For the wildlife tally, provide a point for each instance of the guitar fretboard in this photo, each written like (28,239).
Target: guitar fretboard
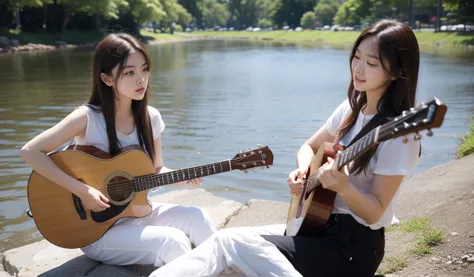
(356,149)
(145,182)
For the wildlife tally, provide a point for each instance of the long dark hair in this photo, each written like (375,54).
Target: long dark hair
(399,56)
(111,51)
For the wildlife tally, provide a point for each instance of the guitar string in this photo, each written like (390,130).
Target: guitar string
(383,128)
(118,185)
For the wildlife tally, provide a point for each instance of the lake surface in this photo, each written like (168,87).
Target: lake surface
(216,98)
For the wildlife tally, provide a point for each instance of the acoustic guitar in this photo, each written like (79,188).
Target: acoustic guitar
(124,178)
(309,212)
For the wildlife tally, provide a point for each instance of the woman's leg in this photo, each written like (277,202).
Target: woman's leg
(240,249)
(133,244)
(165,234)
(195,222)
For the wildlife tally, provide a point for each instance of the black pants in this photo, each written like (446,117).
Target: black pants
(346,248)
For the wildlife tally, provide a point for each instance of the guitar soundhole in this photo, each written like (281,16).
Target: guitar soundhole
(119,189)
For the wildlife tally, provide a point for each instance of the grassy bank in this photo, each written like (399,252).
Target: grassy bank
(346,37)
(467,143)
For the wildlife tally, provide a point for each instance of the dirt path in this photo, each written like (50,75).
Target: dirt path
(444,195)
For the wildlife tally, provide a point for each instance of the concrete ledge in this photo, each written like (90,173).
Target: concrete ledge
(45,259)
(259,213)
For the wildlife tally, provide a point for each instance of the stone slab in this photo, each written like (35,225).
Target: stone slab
(219,208)
(42,256)
(259,213)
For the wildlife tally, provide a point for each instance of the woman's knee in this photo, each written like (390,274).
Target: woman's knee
(175,244)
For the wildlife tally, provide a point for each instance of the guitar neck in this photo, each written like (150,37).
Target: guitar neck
(146,182)
(347,156)
(357,149)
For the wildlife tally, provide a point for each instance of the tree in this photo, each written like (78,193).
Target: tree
(214,14)
(460,11)
(290,11)
(105,8)
(354,12)
(307,20)
(325,11)
(16,5)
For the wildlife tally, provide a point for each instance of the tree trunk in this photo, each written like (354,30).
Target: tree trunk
(67,18)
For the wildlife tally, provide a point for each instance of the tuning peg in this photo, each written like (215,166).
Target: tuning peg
(262,167)
(417,136)
(241,151)
(429,133)
(259,145)
(246,171)
(405,139)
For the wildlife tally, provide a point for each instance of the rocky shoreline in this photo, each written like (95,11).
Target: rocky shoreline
(444,193)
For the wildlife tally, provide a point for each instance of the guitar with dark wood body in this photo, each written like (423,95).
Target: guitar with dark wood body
(309,212)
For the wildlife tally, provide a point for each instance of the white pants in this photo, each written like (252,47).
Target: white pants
(165,234)
(239,249)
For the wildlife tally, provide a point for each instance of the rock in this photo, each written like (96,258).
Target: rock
(435,259)
(39,257)
(454,234)
(4,42)
(449,262)
(259,213)
(4,274)
(465,257)
(14,42)
(470,260)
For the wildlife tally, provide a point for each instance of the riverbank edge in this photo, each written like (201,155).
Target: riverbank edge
(44,258)
(39,47)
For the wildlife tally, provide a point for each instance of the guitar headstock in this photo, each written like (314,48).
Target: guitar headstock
(258,157)
(423,117)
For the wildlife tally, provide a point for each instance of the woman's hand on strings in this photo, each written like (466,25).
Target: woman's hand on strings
(295,180)
(333,179)
(94,200)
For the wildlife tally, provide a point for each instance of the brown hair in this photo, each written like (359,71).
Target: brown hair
(113,51)
(399,56)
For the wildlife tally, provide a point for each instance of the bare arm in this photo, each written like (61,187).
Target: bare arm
(311,146)
(304,157)
(372,205)
(35,154)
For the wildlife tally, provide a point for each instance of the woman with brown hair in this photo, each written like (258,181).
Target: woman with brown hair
(117,115)
(384,64)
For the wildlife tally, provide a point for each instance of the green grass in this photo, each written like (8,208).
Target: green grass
(429,237)
(416,224)
(393,264)
(467,143)
(330,37)
(426,238)
(160,36)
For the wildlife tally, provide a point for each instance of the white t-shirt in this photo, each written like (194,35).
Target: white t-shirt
(96,131)
(392,157)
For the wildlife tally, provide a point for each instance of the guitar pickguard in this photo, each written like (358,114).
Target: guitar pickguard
(109,213)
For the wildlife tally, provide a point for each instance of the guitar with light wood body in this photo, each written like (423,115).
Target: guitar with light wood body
(124,178)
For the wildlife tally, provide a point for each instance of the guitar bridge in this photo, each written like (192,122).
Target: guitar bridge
(79,208)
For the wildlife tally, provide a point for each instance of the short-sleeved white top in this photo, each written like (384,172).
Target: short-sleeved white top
(392,157)
(96,132)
